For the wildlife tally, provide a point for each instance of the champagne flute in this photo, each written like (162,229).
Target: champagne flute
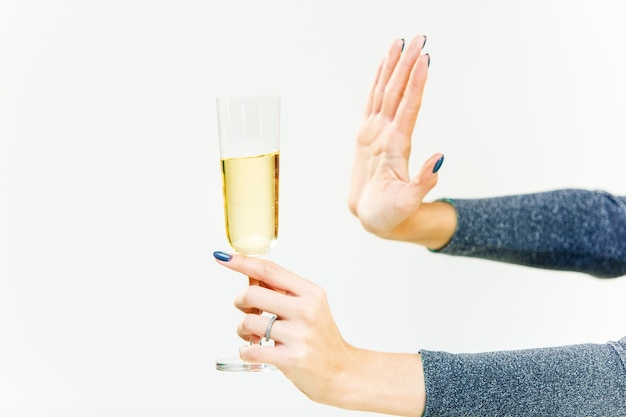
(249,142)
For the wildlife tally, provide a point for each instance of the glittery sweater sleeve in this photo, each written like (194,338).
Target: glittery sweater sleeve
(569,229)
(572,230)
(587,380)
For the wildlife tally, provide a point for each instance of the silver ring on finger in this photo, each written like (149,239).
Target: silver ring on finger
(268,329)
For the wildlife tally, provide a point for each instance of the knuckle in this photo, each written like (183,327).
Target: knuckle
(247,323)
(299,358)
(251,353)
(246,298)
(239,301)
(269,268)
(295,359)
(319,294)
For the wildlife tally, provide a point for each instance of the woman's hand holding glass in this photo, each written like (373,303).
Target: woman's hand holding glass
(309,349)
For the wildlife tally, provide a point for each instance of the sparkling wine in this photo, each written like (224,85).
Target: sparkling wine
(250,188)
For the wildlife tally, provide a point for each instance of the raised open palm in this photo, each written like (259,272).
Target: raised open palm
(382,195)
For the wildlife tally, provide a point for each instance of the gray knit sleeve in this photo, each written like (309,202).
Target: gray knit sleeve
(570,229)
(579,380)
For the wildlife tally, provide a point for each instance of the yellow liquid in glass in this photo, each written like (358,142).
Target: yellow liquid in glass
(250,187)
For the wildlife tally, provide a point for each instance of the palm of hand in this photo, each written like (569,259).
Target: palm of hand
(381,190)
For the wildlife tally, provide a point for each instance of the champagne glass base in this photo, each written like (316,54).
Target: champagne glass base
(235,364)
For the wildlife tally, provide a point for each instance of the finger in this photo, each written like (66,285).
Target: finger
(389,64)
(272,275)
(253,282)
(411,102)
(413,193)
(255,328)
(256,353)
(427,178)
(254,299)
(430,168)
(398,81)
(370,96)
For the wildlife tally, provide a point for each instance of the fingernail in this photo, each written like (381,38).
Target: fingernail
(438,165)
(425,38)
(428,55)
(402,45)
(222,256)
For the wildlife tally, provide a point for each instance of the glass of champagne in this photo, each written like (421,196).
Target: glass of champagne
(249,143)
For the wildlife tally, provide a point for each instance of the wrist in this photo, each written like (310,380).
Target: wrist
(381,382)
(432,225)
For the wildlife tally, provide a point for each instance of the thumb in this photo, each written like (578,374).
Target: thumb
(428,175)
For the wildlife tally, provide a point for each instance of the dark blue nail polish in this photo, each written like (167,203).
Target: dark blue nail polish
(222,256)
(428,55)
(438,165)
(425,38)
(402,45)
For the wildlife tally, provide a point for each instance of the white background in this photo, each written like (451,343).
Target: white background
(110,195)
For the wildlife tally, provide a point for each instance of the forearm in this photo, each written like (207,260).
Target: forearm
(571,229)
(581,380)
(382,382)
